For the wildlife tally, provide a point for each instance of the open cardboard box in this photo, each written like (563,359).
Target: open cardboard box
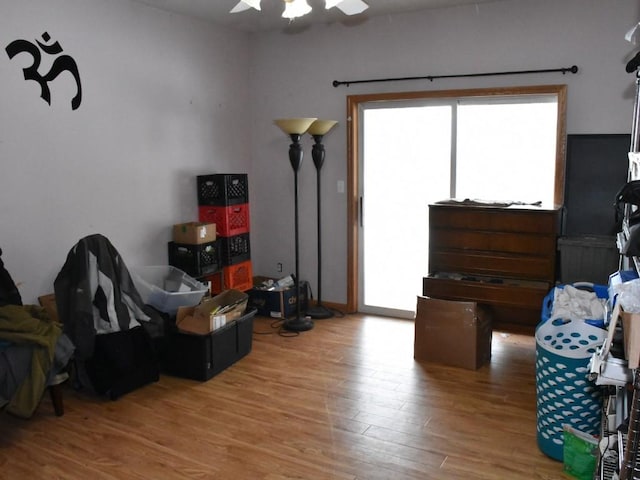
(280,303)
(212,313)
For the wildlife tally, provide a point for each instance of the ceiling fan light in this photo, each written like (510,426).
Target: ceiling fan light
(331,3)
(295,8)
(352,7)
(243,5)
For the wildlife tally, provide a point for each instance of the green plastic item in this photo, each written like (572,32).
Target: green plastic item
(580,453)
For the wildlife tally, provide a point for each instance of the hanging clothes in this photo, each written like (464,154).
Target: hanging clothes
(104,316)
(95,294)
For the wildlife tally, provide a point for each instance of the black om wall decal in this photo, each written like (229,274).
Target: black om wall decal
(60,64)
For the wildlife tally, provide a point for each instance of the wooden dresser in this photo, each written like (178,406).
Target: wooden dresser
(501,257)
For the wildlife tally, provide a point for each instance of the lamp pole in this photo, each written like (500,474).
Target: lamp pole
(295,158)
(318,130)
(295,128)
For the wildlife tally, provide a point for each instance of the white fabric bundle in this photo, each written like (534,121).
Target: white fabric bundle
(572,303)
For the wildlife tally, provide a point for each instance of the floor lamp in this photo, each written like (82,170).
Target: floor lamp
(295,128)
(318,130)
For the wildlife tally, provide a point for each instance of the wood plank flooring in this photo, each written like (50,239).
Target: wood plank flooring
(343,401)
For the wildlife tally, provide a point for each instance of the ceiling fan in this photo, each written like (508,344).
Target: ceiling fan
(298,8)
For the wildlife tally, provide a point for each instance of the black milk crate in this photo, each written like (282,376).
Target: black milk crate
(223,189)
(235,249)
(195,260)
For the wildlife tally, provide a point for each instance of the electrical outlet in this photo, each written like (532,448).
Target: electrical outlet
(279,267)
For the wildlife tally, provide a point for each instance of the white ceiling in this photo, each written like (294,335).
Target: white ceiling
(269,18)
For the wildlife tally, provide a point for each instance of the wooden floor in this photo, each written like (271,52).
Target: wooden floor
(345,400)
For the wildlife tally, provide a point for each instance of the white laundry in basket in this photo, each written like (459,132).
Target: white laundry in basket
(572,303)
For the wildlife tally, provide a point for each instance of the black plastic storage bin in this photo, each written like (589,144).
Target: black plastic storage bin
(200,357)
(223,189)
(235,249)
(195,260)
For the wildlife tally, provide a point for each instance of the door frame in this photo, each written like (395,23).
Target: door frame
(353,156)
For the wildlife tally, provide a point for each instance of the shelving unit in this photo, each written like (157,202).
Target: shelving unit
(619,453)
(629,464)
(609,460)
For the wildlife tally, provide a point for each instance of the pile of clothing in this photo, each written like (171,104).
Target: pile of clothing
(574,303)
(112,337)
(33,350)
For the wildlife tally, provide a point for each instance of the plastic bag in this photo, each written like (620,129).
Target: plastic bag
(580,453)
(629,295)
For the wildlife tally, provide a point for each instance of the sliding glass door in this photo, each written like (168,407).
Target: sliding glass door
(406,166)
(406,153)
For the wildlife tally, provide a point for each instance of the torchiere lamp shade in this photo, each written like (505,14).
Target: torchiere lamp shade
(294,126)
(321,127)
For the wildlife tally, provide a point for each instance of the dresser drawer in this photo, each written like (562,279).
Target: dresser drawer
(494,219)
(493,264)
(509,293)
(506,242)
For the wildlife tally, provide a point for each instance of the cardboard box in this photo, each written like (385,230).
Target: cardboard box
(631,329)
(212,313)
(194,233)
(277,303)
(452,333)
(48,302)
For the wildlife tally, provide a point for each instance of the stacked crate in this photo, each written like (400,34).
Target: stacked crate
(195,249)
(223,199)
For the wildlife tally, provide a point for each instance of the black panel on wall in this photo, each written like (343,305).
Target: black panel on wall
(596,169)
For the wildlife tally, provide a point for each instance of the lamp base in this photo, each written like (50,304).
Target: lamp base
(298,324)
(319,311)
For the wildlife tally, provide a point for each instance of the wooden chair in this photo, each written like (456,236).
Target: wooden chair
(55,392)
(48,302)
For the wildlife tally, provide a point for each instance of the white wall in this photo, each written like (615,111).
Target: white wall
(163,99)
(292,75)
(167,98)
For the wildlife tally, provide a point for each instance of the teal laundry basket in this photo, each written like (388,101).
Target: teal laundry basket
(564,393)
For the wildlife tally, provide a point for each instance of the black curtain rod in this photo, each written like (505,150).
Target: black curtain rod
(431,78)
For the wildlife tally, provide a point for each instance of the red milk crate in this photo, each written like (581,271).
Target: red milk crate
(216,281)
(238,277)
(230,221)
